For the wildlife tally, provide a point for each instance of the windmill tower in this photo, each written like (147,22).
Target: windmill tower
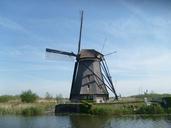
(91,76)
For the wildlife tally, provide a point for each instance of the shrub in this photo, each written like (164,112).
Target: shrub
(166,102)
(152,109)
(169,110)
(59,98)
(100,111)
(85,107)
(28,96)
(4,98)
(32,111)
(48,96)
(110,110)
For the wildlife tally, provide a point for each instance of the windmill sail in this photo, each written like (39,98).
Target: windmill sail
(79,43)
(75,73)
(60,52)
(52,54)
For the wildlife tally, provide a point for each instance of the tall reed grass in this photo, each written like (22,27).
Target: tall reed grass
(20,108)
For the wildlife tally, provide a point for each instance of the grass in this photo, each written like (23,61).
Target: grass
(112,109)
(32,111)
(14,106)
(119,108)
(152,109)
(19,108)
(6,98)
(124,109)
(151,96)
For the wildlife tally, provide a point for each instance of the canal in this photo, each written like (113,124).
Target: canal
(85,121)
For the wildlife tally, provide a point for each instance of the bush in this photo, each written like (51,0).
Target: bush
(4,98)
(28,96)
(100,111)
(85,107)
(166,102)
(110,110)
(169,110)
(59,98)
(32,111)
(48,96)
(152,109)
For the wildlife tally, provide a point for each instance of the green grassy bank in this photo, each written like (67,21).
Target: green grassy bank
(29,104)
(19,108)
(39,108)
(123,109)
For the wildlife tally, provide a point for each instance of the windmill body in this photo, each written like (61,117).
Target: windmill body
(88,82)
(91,76)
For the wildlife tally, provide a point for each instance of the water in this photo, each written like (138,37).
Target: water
(84,121)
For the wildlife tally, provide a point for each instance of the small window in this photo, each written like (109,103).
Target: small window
(88,88)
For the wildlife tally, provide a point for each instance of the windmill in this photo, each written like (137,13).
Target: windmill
(91,76)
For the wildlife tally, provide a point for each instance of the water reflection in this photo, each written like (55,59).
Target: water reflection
(85,121)
(121,122)
(139,122)
(35,122)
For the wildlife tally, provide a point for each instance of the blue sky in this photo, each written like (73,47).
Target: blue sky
(139,30)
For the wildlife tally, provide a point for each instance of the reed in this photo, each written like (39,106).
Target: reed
(151,109)
(32,111)
(124,109)
(19,108)
(111,110)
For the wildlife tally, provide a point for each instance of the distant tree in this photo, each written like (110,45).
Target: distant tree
(48,96)
(28,96)
(59,98)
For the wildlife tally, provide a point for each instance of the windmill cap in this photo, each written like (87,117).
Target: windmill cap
(90,53)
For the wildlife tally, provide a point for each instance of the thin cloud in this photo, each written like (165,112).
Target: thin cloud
(134,10)
(7,23)
(143,63)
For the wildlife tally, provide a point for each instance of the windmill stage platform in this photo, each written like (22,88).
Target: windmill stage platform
(68,108)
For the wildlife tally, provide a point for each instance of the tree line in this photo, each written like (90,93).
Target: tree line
(29,97)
